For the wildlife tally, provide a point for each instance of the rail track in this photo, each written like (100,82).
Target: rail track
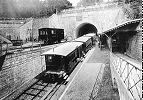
(15,50)
(26,48)
(40,90)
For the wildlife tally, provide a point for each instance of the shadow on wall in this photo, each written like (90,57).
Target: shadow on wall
(85,28)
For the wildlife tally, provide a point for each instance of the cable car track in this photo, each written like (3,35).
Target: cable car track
(25,49)
(40,90)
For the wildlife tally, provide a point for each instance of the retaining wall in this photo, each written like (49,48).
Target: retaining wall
(135,46)
(18,69)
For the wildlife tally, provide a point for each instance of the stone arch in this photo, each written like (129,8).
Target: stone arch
(85,28)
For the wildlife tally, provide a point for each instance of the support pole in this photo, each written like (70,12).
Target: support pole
(110,43)
(0,49)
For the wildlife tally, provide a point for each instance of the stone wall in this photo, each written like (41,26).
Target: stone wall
(19,69)
(10,30)
(135,46)
(25,30)
(39,23)
(69,25)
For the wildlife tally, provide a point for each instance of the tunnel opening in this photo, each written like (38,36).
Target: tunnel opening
(85,28)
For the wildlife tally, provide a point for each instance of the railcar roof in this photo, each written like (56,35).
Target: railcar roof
(50,28)
(90,34)
(64,49)
(82,39)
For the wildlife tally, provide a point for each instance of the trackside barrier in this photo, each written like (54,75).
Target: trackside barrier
(128,76)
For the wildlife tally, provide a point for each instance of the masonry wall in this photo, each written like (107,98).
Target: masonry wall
(39,23)
(135,46)
(11,29)
(25,30)
(69,26)
(19,69)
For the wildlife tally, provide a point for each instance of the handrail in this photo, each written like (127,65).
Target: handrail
(130,62)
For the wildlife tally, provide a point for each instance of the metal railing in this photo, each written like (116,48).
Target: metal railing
(130,74)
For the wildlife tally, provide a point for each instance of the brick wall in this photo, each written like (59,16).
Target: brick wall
(19,69)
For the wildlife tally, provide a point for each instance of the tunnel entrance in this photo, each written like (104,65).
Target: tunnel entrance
(85,28)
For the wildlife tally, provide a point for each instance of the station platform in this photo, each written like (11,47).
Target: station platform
(82,84)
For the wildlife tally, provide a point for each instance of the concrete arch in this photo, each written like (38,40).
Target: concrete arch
(85,28)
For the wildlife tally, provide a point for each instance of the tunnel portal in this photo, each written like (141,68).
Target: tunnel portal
(85,28)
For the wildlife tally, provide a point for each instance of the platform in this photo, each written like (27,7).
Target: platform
(81,85)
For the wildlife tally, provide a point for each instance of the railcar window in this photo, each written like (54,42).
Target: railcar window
(72,56)
(52,31)
(50,58)
(88,42)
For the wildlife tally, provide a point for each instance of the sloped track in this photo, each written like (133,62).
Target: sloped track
(40,90)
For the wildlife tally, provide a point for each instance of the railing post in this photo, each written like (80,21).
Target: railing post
(124,69)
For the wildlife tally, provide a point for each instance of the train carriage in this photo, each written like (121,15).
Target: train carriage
(93,37)
(61,60)
(17,42)
(87,43)
(51,35)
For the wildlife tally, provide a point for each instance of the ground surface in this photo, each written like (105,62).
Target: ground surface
(106,89)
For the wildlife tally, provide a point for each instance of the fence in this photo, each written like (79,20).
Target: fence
(128,75)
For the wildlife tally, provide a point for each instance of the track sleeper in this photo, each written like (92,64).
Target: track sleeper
(30,94)
(38,89)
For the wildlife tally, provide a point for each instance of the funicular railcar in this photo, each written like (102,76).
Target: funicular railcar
(61,60)
(17,42)
(51,35)
(87,43)
(93,37)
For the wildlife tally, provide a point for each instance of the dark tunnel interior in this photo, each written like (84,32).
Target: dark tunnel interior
(86,28)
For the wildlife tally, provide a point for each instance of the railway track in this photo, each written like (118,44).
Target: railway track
(40,90)
(24,49)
